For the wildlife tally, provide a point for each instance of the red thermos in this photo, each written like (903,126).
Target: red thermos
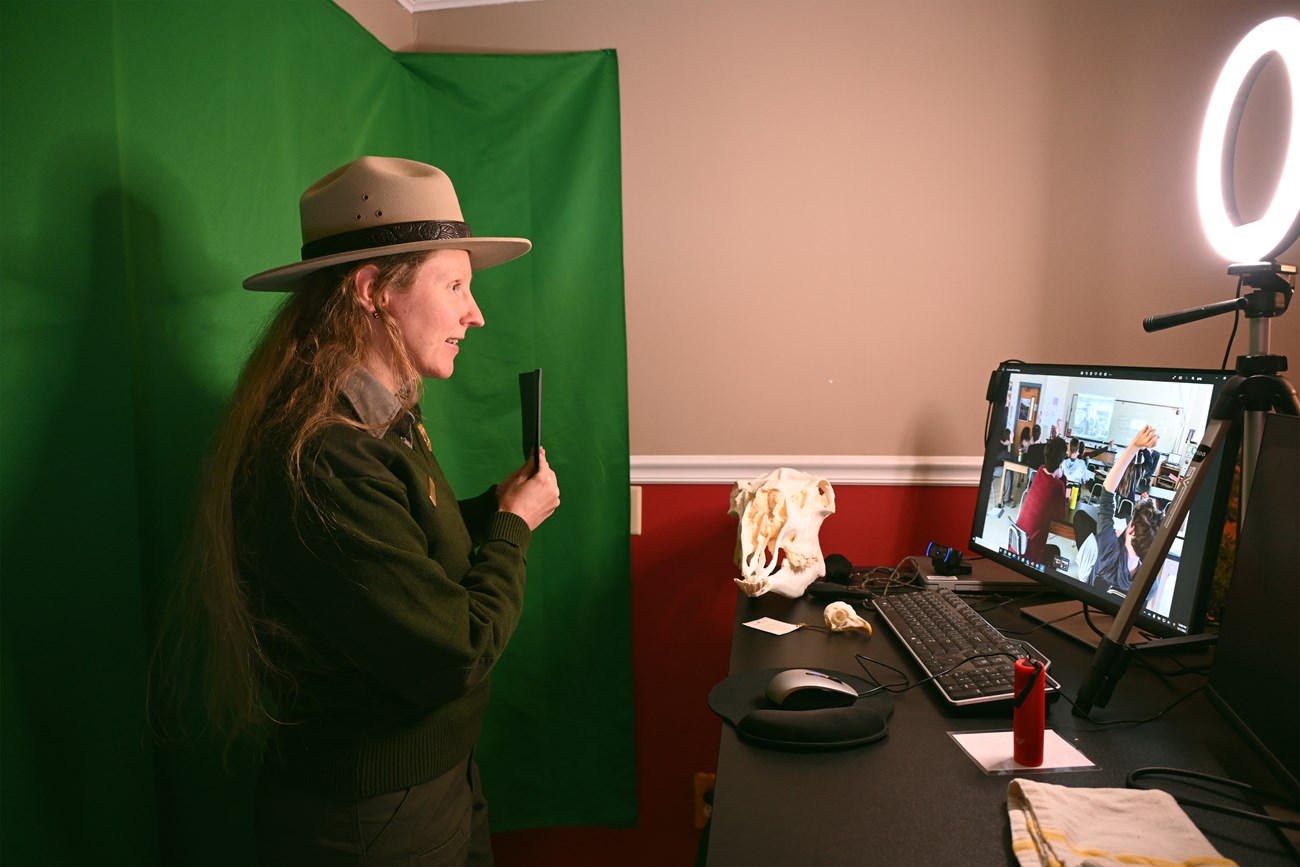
(1029,714)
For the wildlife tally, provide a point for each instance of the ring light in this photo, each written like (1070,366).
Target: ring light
(1264,238)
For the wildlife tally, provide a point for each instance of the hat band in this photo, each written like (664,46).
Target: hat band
(385,236)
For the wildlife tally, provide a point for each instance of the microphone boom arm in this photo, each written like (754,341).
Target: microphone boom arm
(1161,321)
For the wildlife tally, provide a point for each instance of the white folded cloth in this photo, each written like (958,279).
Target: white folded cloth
(1079,827)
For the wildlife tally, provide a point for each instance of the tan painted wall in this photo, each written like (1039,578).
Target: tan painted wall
(387,20)
(840,215)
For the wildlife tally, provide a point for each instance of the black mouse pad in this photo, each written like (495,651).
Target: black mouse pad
(742,701)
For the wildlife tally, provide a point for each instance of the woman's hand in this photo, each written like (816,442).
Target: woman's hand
(531,496)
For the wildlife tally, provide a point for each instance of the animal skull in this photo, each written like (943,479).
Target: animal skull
(840,617)
(780,515)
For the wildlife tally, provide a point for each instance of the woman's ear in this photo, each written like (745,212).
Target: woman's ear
(364,281)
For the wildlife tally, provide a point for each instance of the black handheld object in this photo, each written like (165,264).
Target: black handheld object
(836,582)
(530,410)
(838,569)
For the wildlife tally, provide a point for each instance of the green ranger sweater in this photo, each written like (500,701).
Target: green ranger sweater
(394,611)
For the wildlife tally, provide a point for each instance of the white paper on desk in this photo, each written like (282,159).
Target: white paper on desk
(776,627)
(992,751)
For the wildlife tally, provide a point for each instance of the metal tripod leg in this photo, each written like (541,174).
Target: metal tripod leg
(1109,661)
(1240,395)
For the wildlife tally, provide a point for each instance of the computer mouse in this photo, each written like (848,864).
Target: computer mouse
(804,689)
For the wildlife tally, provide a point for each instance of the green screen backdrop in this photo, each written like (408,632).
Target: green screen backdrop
(151,157)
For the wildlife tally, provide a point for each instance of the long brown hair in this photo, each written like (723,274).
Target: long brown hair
(288,391)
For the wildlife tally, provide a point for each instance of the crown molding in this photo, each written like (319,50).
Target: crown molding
(837,469)
(414,6)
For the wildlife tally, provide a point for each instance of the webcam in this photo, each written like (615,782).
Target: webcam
(947,561)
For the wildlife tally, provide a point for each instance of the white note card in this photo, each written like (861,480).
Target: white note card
(776,627)
(993,751)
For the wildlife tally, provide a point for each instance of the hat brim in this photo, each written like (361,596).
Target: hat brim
(483,253)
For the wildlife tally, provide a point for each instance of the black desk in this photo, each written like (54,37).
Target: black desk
(915,797)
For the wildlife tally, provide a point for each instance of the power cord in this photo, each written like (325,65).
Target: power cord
(906,683)
(1236,318)
(1034,629)
(1005,600)
(1131,781)
(884,579)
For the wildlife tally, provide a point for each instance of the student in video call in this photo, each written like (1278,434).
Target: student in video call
(1045,501)
(1003,453)
(1009,479)
(1032,456)
(1022,449)
(1085,542)
(1075,467)
(1120,552)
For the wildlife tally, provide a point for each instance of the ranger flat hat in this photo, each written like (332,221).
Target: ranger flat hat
(381,206)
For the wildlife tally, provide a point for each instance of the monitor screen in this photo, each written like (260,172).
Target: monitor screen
(1054,534)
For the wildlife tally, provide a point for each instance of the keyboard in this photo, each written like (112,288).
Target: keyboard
(942,633)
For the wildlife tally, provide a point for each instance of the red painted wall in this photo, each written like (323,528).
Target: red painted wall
(683,605)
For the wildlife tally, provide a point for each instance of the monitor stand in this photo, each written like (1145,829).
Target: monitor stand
(1067,618)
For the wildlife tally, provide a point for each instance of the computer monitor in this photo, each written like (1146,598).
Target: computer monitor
(1101,408)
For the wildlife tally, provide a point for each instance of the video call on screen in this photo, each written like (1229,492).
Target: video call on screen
(1102,409)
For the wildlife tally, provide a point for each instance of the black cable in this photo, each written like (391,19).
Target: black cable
(906,684)
(1136,722)
(988,424)
(1087,618)
(1039,626)
(1184,668)
(1131,782)
(1236,318)
(884,579)
(1007,600)
(988,415)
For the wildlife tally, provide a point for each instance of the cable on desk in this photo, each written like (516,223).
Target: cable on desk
(1184,669)
(1144,662)
(1115,722)
(884,579)
(1131,781)
(1085,611)
(907,684)
(1034,629)
(1101,633)
(1006,600)
(1087,618)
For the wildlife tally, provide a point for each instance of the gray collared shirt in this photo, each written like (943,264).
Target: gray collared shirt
(377,407)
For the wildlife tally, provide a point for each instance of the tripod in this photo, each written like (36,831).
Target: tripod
(1257,387)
